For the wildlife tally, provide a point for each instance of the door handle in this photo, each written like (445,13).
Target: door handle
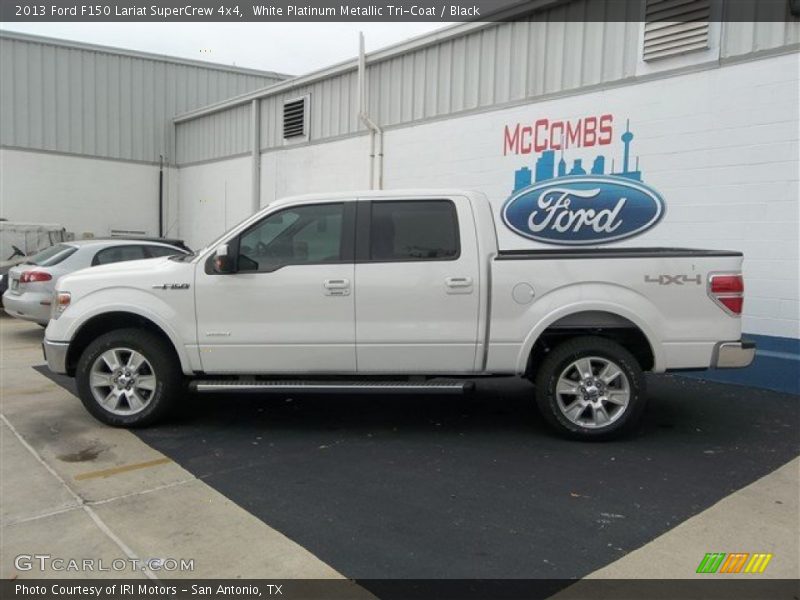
(458,282)
(336,287)
(336,284)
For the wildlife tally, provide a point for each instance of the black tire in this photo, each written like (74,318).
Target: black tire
(164,365)
(560,359)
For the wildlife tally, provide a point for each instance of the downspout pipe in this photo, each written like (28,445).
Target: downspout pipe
(161,195)
(255,166)
(375,132)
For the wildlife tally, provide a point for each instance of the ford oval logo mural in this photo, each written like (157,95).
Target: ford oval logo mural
(583,210)
(568,200)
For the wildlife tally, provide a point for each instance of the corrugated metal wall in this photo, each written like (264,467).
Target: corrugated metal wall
(335,115)
(496,65)
(225,133)
(92,101)
(501,64)
(333,112)
(752,31)
(507,62)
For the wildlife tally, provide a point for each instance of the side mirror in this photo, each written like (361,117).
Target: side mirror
(223,262)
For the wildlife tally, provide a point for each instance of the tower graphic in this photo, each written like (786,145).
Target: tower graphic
(627,138)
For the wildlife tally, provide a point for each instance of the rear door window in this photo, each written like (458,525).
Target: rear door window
(411,230)
(116,254)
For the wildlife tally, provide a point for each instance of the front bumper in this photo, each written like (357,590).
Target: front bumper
(733,355)
(55,353)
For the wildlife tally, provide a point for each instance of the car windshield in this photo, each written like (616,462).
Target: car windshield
(51,256)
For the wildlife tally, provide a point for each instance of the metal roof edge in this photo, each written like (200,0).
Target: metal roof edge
(63,43)
(518,9)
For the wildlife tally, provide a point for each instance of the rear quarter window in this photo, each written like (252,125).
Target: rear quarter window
(52,256)
(116,254)
(156,251)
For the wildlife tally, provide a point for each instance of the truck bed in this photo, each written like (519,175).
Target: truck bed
(662,292)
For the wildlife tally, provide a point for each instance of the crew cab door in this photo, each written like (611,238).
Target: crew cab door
(288,307)
(417,286)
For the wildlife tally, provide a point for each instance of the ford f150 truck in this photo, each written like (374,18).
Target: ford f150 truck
(395,291)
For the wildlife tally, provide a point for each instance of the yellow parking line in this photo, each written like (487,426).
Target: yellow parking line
(123,469)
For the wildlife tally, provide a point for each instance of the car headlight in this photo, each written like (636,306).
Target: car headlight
(60,303)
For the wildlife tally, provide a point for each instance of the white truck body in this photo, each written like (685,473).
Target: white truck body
(477,312)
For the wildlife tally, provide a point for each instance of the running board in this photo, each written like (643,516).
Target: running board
(332,387)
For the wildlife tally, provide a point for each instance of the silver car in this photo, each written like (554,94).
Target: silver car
(32,283)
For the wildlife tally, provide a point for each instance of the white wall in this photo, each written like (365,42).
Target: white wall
(215,196)
(721,146)
(212,198)
(85,195)
(334,166)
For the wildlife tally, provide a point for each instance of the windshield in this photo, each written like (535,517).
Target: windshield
(51,256)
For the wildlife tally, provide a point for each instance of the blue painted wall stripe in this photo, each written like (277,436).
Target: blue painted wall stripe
(776,366)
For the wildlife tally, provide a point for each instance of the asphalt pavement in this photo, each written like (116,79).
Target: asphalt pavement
(477,486)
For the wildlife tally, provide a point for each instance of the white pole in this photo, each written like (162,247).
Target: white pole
(255,167)
(374,130)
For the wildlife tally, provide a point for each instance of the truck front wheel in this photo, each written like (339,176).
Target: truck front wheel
(128,378)
(590,388)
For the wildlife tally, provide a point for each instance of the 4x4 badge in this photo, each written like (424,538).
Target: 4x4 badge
(673,279)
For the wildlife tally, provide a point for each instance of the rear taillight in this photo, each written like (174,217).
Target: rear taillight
(727,290)
(34,277)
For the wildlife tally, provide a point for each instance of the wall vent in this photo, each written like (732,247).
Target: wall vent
(127,232)
(294,118)
(674,27)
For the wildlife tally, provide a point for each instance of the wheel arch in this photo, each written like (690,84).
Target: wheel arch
(102,323)
(611,321)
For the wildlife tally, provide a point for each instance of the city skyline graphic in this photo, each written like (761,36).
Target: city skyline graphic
(546,167)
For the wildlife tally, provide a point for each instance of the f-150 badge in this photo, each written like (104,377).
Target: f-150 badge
(171,286)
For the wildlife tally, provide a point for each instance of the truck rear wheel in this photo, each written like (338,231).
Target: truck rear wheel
(128,378)
(590,388)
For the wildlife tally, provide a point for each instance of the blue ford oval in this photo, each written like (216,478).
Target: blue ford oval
(583,210)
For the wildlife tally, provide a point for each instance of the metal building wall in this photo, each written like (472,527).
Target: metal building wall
(752,31)
(560,50)
(505,63)
(225,133)
(89,100)
(333,109)
(515,61)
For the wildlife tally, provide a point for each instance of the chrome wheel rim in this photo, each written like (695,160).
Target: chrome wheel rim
(122,381)
(593,392)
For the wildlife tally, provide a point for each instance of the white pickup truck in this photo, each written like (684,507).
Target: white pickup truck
(401,291)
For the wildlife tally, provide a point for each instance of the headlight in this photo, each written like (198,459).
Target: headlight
(60,303)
